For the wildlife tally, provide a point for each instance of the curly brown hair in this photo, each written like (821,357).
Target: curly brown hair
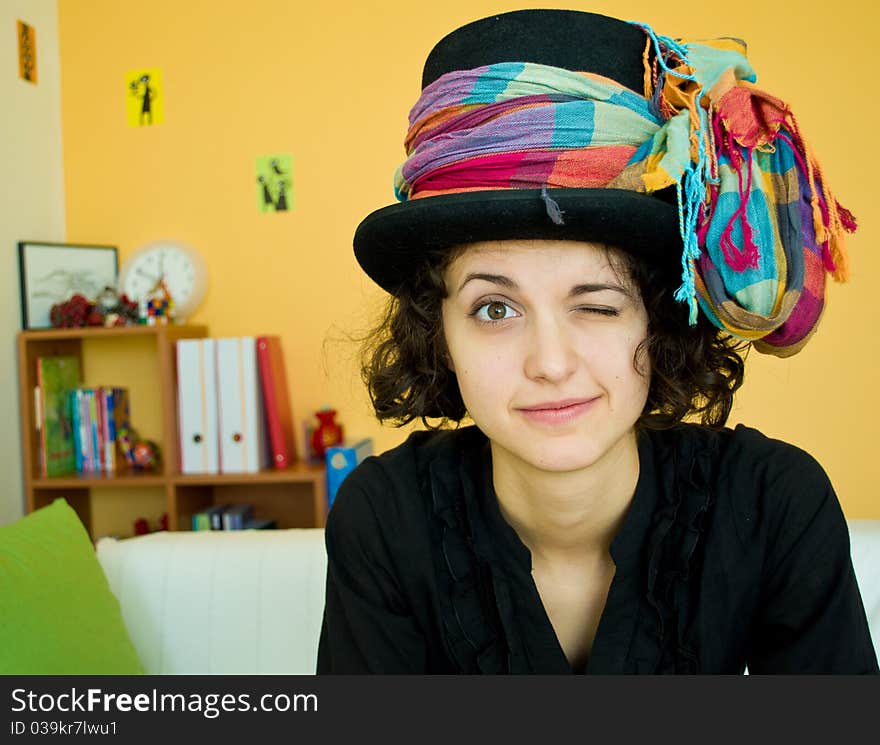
(695,370)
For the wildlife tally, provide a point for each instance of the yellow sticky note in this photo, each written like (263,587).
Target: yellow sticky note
(27,52)
(143,101)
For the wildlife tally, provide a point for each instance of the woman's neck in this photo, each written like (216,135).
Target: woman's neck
(571,516)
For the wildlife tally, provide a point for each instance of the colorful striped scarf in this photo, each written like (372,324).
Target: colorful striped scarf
(759,226)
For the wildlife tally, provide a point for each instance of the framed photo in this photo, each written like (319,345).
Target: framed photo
(51,273)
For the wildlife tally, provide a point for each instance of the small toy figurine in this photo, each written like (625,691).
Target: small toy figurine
(141,455)
(106,301)
(146,455)
(159,307)
(327,433)
(125,438)
(115,309)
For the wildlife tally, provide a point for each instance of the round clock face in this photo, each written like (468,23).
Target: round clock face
(178,266)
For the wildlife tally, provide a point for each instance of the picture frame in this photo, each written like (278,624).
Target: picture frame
(52,273)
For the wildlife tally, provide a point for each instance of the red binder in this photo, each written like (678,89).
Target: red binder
(279,418)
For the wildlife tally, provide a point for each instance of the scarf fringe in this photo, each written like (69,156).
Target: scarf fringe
(671,82)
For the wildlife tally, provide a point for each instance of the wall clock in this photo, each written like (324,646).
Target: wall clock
(178,265)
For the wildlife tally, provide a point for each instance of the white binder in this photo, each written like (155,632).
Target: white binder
(243,438)
(197,406)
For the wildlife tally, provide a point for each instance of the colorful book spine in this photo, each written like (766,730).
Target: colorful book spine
(236,516)
(85,430)
(95,431)
(77,431)
(97,415)
(104,414)
(210,518)
(114,397)
(217,516)
(276,400)
(102,428)
(111,421)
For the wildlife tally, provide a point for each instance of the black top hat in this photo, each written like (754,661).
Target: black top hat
(390,242)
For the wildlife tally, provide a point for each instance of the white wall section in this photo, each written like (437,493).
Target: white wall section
(31,202)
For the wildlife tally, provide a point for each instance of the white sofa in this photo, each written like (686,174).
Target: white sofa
(251,602)
(247,602)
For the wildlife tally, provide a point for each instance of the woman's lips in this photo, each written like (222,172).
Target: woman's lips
(559,412)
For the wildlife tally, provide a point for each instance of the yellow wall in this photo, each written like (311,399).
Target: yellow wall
(332,84)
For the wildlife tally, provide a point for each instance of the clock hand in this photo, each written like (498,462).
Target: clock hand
(148,276)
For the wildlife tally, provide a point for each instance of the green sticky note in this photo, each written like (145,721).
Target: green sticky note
(275,183)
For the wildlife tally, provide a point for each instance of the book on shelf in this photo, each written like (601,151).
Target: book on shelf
(78,439)
(279,420)
(56,377)
(98,416)
(92,433)
(115,403)
(201,521)
(233,405)
(341,460)
(230,517)
(210,518)
(241,414)
(237,515)
(197,405)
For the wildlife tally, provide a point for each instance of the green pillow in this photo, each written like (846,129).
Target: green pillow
(57,613)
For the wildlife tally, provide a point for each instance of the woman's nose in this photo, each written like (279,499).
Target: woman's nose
(550,355)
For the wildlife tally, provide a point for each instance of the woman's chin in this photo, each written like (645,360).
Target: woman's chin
(560,459)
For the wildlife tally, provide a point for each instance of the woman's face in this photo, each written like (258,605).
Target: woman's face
(542,337)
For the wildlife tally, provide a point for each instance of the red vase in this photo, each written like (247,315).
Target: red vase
(327,433)
(141,526)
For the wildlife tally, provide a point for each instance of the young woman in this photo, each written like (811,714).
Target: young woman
(594,225)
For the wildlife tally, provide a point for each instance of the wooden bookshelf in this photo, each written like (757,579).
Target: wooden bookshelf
(293,497)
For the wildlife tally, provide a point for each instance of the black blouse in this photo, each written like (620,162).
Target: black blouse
(734,552)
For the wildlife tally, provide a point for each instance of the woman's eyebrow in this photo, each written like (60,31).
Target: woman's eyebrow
(581,289)
(498,279)
(596,287)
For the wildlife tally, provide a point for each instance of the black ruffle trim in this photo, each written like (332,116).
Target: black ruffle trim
(675,551)
(472,599)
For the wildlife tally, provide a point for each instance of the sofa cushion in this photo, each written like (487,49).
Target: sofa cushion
(865,543)
(57,614)
(237,602)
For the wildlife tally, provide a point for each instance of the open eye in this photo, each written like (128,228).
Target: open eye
(492,311)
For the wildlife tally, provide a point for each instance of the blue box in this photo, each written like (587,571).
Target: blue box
(341,460)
